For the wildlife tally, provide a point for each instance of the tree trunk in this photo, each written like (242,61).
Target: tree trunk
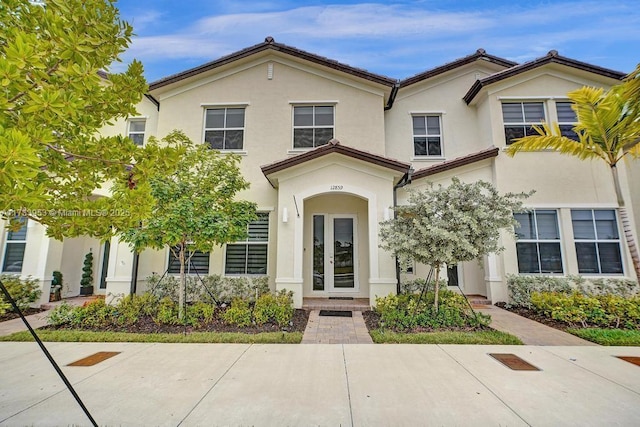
(183,284)
(626,225)
(436,286)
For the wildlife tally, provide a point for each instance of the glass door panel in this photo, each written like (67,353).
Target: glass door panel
(343,255)
(318,253)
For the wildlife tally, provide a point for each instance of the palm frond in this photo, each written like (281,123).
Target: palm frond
(549,138)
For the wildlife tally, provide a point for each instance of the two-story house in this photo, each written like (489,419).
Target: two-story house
(329,149)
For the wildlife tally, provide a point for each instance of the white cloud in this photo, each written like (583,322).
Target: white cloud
(380,37)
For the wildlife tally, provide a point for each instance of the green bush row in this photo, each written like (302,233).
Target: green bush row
(408,311)
(211,288)
(23,291)
(276,308)
(521,288)
(609,311)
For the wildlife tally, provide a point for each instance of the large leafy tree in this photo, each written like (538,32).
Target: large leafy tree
(195,206)
(55,97)
(448,225)
(608,129)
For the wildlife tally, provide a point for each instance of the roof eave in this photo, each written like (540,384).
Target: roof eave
(456,163)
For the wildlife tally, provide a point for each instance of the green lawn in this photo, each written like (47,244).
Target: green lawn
(446,337)
(195,337)
(609,336)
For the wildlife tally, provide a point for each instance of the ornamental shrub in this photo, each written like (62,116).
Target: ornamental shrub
(277,308)
(239,314)
(408,311)
(23,291)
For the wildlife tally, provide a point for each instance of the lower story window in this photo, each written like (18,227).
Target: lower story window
(199,263)
(250,256)
(14,250)
(597,241)
(538,245)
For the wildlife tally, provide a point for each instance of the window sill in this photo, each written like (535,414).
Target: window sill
(238,152)
(295,151)
(428,158)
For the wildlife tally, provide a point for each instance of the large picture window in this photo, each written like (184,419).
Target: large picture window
(313,125)
(538,245)
(224,128)
(14,249)
(519,118)
(250,256)
(597,241)
(427,136)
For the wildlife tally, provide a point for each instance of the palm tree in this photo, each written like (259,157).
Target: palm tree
(608,128)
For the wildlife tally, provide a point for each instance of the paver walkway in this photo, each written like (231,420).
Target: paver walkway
(529,331)
(336,330)
(38,320)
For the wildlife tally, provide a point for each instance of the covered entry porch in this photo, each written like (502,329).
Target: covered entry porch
(330,203)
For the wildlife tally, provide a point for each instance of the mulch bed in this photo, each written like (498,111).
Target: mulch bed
(11,315)
(146,325)
(533,315)
(372,320)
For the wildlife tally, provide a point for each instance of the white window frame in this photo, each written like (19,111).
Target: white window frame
(15,241)
(247,243)
(427,136)
(525,124)
(225,128)
(130,132)
(597,240)
(294,127)
(537,241)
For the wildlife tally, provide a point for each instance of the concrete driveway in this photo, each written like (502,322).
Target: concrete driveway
(326,385)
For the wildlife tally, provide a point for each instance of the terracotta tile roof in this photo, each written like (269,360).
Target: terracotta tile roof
(479,54)
(334,146)
(270,44)
(551,57)
(456,163)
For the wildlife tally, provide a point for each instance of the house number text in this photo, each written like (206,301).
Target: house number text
(336,187)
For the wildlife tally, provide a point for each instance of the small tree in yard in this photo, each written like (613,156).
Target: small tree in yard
(195,207)
(448,225)
(55,98)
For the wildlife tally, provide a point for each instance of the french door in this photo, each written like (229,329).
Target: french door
(335,253)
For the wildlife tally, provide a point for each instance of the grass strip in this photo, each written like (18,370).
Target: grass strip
(612,337)
(446,337)
(194,337)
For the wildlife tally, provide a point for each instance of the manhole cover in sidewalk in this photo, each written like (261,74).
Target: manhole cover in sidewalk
(512,361)
(336,313)
(631,359)
(94,359)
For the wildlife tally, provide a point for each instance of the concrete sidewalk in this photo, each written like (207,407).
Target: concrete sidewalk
(325,384)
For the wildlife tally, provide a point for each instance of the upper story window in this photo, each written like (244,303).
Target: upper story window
(224,128)
(597,241)
(250,256)
(14,249)
(519,118)
(538,245)
(427,135)
(198,264)
(566,119)
(313,125)
(136,130)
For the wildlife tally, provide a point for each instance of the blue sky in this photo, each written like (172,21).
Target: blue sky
(396,39)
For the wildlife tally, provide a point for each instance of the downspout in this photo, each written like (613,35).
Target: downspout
(392,95)
(134,273)
(406,180)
